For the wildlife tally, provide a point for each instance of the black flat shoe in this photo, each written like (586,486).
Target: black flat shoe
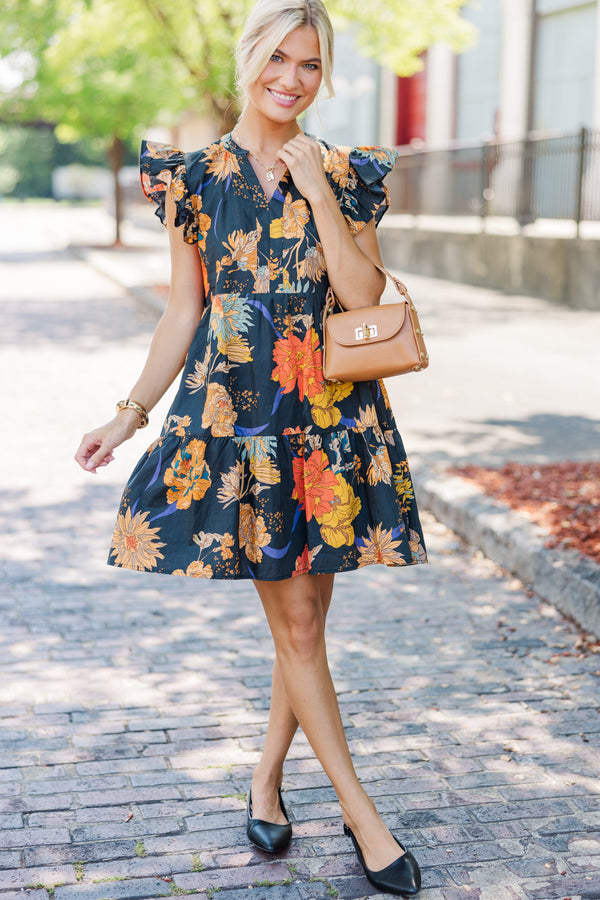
(400,877)
(266,835)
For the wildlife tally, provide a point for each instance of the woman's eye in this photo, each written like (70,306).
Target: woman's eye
(275,57)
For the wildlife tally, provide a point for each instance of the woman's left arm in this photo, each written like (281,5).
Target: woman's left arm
(350,259)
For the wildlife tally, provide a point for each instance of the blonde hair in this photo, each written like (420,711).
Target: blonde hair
(266,28)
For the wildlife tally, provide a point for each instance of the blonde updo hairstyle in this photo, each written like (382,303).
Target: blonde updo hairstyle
(266,28)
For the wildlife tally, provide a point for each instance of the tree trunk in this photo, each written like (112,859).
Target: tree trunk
(116,155)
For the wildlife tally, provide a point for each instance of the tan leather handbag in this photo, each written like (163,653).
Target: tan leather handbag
(373,341)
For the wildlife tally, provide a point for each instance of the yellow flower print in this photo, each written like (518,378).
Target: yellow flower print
(404,486)
(135,544)
(253,533)
(336,523)
(218,414)
(324,410)
(236,349)
(221,162)
(295,216)
(380,468)
(189,477)
(276,229)
(196,569)
(380,548)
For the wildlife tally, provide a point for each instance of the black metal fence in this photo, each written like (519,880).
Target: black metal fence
(549,177)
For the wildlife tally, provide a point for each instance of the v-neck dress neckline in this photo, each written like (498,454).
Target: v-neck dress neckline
(251,176)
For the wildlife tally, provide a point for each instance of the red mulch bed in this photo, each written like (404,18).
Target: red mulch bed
(562,497)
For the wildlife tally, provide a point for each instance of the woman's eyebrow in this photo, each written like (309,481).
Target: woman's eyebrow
(312,59)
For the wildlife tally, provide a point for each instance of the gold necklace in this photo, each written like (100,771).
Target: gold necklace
(270,170)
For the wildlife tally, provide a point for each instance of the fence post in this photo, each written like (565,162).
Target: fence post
(485,183)
(525,184)
(580,170)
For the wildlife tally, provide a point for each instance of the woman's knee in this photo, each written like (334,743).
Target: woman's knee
(302,631)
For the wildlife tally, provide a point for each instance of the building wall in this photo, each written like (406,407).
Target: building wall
(351,118)
(478,75)
(565,63)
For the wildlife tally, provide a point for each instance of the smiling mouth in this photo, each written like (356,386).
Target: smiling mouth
(283,98)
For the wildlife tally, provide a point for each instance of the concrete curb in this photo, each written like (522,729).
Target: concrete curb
(564,578)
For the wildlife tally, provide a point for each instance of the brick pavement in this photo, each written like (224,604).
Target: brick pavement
(132,706)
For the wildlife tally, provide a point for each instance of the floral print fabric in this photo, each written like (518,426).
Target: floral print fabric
(263,469)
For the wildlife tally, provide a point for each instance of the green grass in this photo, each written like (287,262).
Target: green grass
(79,870)
(197,864)
(110,878)
(330,888)
(139,849)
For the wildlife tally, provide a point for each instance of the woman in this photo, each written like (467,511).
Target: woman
(263,470)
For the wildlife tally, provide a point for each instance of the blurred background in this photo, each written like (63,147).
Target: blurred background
(495,106)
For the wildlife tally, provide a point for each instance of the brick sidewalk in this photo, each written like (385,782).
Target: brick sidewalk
(133,705)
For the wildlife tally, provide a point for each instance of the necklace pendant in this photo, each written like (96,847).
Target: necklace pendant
(270,175)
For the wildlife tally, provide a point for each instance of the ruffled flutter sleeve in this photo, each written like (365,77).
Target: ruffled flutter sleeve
(365,196)
(162,169)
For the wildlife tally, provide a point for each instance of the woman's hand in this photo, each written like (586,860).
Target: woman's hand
(96,448)
(302,155)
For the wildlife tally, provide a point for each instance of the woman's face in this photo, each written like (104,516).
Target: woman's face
(290,82)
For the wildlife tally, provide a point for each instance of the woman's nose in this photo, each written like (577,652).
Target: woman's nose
(290,76)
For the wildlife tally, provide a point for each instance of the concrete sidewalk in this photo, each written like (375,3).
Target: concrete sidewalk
(132,707)
(512,378)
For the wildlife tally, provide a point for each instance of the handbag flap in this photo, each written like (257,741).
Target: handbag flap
(367,325)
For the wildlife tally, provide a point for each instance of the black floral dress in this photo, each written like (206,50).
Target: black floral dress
(263,469)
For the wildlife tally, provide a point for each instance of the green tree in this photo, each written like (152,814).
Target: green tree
(103,68)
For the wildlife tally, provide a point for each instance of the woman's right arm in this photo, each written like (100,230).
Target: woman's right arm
(170,344)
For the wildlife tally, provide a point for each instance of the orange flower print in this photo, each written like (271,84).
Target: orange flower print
(176,181)
(221,162)
(379,547)
(337,164)
(189,477)
(336,522)
(253,533)
(299,363)
(218,414)
(202,220)
(295,216)
(243,249)
(315,483)
(380,469)
(304,561)
(196,569)
(226,541)
(135,545)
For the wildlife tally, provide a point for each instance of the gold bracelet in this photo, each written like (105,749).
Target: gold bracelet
(140,410)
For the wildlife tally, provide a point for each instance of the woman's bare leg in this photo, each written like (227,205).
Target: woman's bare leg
(280,733)
(297,622)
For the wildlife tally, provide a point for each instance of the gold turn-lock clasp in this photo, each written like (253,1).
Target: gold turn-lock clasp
(364,332)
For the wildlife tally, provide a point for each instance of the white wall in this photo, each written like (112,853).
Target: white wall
(478,76)
(351,117)
(565,65)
